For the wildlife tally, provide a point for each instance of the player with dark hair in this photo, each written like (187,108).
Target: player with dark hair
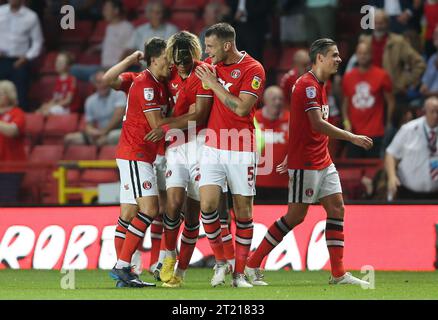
(229,156)
(146,106)
(312,174)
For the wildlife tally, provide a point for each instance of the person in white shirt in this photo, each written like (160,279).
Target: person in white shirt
(411,160)
(156,27)
(117,34)
(21,41)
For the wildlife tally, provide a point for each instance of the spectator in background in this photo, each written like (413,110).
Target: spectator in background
(429,82)
(156,27)
(117,35)
(301,64)
(86,9)
(431,18)
(411,160)
(250,19)
(21,41)
(366,89)
(214,12)
(292,21)
(273,116)
(104,111)
(321,19)
(12,126)
(65,98)
(392,52)
(399,13)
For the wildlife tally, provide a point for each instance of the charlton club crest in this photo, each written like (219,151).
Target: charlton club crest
(309,192)
(147,185)
(235,73)
(148,94)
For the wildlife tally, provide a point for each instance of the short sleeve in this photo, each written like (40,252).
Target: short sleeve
(396,146)
(309,96)
(147,95)
(386,82)
(119,99)
(253,81)
(127,79)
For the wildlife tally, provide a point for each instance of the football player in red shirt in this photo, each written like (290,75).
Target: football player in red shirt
(146,106)
(192,103)
(229,155)
(312,174)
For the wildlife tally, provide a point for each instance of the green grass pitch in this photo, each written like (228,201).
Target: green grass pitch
(96,284)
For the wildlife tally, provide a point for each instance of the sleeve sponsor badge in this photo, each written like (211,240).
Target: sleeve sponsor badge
(256,83)
(148,94)
(311,92)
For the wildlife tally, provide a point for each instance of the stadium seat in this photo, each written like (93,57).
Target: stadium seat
(34,127)
(107,153)
(78,152)
(57,126)
(352,186)
(48,63)
(138,22)
(89,58)
(78,35)
(41,91)
(38,179)
(270,58)
(98,32)
(188,5)
(184,20)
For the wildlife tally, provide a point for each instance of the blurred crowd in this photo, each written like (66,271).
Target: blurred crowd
(387,88)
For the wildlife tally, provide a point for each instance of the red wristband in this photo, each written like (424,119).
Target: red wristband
(165,127)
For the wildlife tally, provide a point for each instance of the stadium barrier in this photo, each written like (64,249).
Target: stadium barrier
(87,194)
(386,237)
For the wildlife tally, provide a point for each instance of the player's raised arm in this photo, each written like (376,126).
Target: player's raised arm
(322,126)
(112,76)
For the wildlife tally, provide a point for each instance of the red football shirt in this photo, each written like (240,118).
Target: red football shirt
(146,94)
(308,149)
(366,104)
(278,141)
(245,76)
(185,91)
(64,86)
(12,149)
(287,82)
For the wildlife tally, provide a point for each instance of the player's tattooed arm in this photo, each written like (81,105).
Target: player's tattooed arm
(231,104)
(111,77)
(240,105)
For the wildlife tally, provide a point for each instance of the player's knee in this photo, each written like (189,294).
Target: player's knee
(173,208)
(208,206)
